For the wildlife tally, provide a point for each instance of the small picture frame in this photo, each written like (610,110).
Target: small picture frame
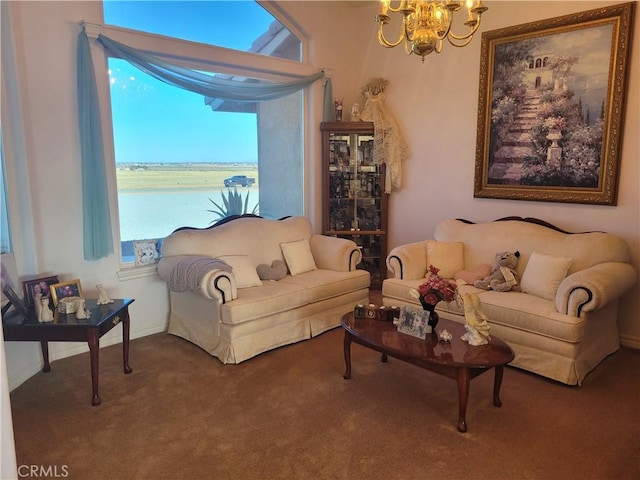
(13,299)
(71,288)
(38,285)
(146,252)
(414,322)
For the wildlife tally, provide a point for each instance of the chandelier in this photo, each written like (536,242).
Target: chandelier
(426,23)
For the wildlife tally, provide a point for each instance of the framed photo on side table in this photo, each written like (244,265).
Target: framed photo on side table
(551,108)
(38,285)
(71,288)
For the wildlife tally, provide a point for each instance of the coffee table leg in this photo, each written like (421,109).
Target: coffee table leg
(125,342)
(463,397)
(347,355)
(94,350)
(45,356)
(497,383)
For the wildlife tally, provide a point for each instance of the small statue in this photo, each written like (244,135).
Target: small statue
(445,335)
(103,297)
(37,305)
(475,321)
(46,315)
(81,310)
(337,103)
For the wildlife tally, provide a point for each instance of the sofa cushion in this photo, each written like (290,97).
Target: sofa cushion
(447,256)
(264,301)
(322,284)
(244,270)
(298,256)
(543,274)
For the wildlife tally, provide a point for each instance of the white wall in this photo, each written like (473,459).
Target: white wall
(435,104)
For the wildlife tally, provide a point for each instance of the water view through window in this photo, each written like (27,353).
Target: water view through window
(174,151)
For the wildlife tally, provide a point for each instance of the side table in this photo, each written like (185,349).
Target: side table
(68,328)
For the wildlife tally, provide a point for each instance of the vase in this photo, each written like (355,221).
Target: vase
(433,315)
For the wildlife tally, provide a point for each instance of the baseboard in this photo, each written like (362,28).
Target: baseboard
(629,341)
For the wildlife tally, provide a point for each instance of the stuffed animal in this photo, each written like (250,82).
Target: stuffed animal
(503,275)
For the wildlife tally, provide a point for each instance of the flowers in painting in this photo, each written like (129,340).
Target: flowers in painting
(435,288)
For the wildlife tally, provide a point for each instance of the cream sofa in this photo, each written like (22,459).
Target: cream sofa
(234,315)
(563,322)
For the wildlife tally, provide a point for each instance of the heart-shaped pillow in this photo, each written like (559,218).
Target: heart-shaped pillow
(277,270)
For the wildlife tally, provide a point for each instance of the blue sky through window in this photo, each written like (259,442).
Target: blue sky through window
(156,122)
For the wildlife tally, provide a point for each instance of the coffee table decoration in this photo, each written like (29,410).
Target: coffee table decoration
(433,291)
(414,322)
(476,325)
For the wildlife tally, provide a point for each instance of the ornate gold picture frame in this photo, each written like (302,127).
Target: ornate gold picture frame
(61,290)
(551,108)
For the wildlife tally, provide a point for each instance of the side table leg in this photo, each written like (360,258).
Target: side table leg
(497,383)
(45,356)
(94,350)
(463,397)
(347,355)
(125,342)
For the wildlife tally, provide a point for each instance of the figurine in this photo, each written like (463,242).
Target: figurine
(37,305)
(103,298)
(337,103)
(46,315)
(445,335)
(475,321)
(81,311)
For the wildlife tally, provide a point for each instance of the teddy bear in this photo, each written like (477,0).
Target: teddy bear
(503,276)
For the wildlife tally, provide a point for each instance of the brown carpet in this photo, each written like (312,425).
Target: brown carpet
(289,414)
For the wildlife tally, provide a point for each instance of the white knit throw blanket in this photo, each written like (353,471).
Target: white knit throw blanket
(189,272)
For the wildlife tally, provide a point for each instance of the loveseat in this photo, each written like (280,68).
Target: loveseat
(563,322)
(221,303)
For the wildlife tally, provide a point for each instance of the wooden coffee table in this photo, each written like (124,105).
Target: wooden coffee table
(455,359)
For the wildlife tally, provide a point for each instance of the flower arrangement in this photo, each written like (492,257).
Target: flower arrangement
(435,289)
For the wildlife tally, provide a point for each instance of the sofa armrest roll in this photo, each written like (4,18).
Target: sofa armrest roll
(593,288)
(212,282)
(333,253)
(409,261)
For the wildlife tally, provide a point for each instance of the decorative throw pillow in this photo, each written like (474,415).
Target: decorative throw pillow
(470,276)
(298,256)
(243,270)
(276,271)
(543,274)
(447,256)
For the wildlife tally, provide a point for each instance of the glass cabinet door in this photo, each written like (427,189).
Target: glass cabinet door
(354,200)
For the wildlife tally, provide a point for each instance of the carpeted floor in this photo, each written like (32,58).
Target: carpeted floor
(289,414)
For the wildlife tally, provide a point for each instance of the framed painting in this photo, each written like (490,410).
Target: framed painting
(551,108)
(38,285)
(71,288)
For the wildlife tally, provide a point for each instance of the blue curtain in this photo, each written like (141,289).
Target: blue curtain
(97,223)
(97,233)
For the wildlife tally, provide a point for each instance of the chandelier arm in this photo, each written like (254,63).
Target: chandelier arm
(468,36)
(385,43)
(459,45)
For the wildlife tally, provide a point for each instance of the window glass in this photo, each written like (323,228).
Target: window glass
(240,25)
(5,234)
(185,160)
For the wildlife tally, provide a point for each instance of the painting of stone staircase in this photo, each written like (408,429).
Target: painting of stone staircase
(507,162)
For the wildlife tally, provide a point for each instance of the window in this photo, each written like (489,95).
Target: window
(5,234)
(174,149)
